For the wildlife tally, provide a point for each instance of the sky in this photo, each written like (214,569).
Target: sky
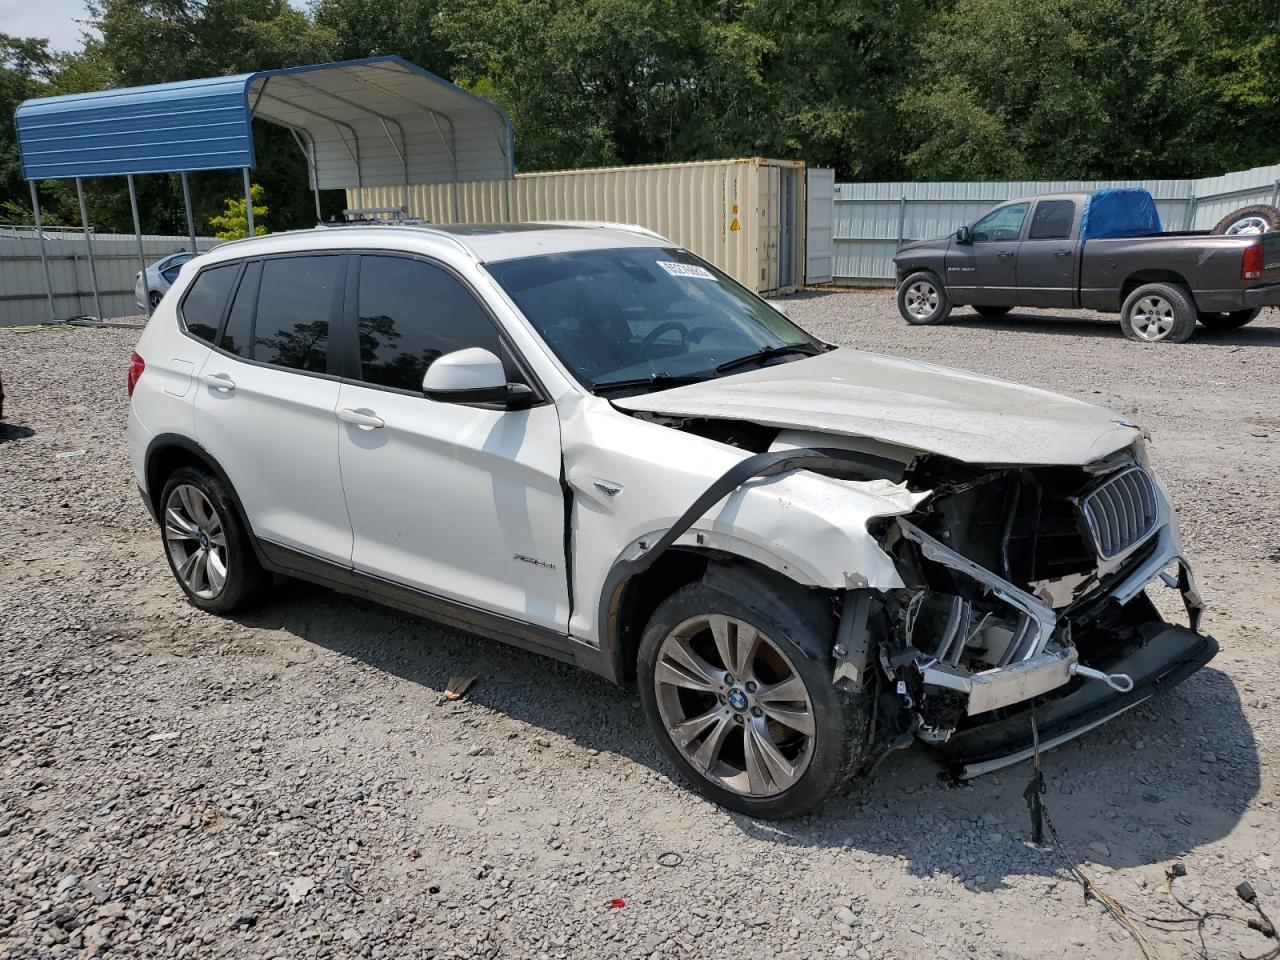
(54,19)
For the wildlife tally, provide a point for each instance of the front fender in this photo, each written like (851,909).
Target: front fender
(634,481)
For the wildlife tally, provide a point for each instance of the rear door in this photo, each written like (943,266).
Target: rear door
(1049,258)
(984,272)
(266,401)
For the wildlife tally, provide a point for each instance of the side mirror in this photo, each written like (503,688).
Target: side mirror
(473,375)
(779,305)
(964,235)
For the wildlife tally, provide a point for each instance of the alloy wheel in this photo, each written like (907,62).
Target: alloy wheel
(734,705)
(196,541)
(1152,318)
(922,300)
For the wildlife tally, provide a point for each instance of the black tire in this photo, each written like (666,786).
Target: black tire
(992,311)
(244,577)
(1253,219)
(1159,313)
(155,296)
(1229,321)
(923,299)
(827,760)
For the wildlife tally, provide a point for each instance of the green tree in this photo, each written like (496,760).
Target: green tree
(1060,89)
(233,222)
(405,28)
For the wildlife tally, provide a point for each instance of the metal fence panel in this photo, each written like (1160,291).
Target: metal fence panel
(870,220)
(23,299)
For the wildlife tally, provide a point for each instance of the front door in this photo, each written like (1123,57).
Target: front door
(984,271)
(266,401)
(1048,258)
(460,502)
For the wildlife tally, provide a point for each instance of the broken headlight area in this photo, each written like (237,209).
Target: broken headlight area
(1019,584)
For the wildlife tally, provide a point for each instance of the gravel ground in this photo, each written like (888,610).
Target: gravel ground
(293,783)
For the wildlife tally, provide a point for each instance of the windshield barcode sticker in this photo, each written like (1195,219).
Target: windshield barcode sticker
(686,270)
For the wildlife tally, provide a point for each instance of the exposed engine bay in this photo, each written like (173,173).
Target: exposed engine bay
(1022,585)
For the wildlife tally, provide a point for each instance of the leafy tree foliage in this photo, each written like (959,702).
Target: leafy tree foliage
(233,222)
(879,89)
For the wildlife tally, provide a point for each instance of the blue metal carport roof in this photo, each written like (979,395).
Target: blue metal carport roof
(376,122)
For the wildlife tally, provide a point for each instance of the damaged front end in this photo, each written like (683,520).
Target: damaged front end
(1022,586)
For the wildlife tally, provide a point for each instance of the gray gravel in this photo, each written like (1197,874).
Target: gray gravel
(293,783)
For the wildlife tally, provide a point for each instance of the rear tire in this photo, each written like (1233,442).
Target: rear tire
(207,546)
(1159,313)
(1233,320)
(718,722)
(923,300)
(992,311)
(1249,221)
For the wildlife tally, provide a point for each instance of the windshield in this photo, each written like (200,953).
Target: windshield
(646,314)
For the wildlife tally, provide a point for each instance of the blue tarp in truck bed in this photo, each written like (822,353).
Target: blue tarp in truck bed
(1119,212)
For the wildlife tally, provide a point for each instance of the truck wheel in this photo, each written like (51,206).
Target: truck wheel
(992,311)
(1229,321)
(1158,312)
(752,722)
(1256,218)
(923,300)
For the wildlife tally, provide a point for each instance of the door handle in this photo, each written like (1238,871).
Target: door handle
(1062,253)
(219,381)
(1005,254)
(364,419)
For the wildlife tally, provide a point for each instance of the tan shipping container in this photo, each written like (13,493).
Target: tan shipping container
(745,216)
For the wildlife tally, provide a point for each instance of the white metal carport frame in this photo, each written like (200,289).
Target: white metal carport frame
(377,122)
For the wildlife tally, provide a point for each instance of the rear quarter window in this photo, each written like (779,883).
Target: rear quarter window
(206,299)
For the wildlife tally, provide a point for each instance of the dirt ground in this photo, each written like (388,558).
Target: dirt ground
(292,783)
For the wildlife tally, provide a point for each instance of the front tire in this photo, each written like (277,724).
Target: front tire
(207,546)
(155,296)
(752,722)
(923,300)
(1159,313)
(1233,320)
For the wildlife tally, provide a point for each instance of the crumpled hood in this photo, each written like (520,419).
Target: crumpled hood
(929,408)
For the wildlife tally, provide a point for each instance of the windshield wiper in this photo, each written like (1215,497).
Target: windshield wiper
(768,353)
(653,380)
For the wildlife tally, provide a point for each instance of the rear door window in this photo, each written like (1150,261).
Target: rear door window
(237,335)
(206,299)
(295,305)
(1052,220)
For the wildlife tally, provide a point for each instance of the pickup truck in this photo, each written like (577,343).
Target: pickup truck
(1099,251)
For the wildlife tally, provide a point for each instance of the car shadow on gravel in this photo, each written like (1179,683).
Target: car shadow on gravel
(1108,328)
(1156,783)
(13,431)
(1170,776)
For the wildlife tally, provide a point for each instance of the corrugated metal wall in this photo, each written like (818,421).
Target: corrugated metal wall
(730,212)
(871,219)
(22,284)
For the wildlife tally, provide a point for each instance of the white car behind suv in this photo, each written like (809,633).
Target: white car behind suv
(586,441)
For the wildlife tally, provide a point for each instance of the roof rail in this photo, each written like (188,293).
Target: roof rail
(610,225)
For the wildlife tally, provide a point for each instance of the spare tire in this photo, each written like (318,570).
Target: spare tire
(1257,218)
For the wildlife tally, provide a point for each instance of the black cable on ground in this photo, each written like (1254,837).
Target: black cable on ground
(1034,795)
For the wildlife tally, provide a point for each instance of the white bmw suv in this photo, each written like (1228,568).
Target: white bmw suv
(586,441)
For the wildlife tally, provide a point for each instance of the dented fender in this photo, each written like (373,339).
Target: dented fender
(633,482)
